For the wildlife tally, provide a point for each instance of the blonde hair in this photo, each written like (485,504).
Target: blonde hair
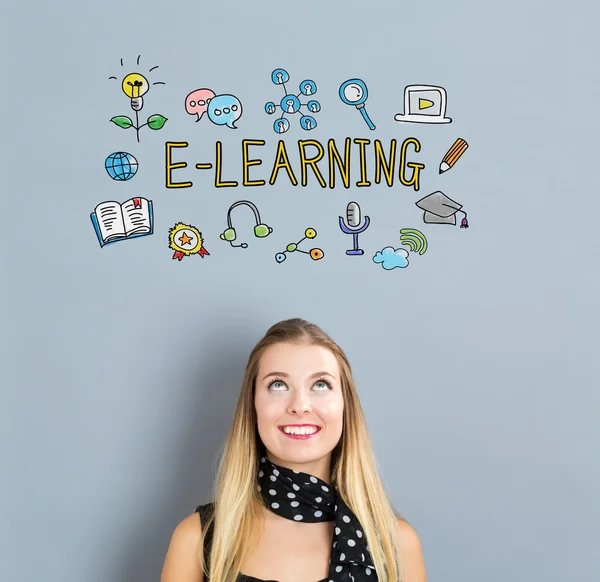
(354,471)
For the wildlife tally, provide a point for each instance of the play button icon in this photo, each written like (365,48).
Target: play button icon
(425,104)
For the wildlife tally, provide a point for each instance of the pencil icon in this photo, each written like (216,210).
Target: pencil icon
(458,149)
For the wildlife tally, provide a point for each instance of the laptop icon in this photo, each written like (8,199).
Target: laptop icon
(424,104)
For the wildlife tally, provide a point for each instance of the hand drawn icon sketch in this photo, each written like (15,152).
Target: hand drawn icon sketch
(315,254)
(424,104)
(354,227)
(390,258)
(221,109)
(354,92)
(260,230)
(186,240)
(439,209)
(135,86)
(458,148)
(196,102)
(414,239)
(225,109)
(121,166)
(114,221)
(290,104)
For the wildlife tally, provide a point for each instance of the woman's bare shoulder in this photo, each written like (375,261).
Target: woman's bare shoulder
(413,553)
(181,562)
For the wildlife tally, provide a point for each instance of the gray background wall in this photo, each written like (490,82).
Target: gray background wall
(477,365)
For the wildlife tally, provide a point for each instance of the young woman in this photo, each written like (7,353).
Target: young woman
(297,497)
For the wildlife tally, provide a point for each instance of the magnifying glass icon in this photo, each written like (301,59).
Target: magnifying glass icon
(354,92)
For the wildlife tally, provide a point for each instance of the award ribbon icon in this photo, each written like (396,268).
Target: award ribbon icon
(186,240)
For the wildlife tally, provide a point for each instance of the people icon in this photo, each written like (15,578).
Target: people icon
(314,106)
(280,76)
(290,104)
(308,87)
(307,122)
(281,125)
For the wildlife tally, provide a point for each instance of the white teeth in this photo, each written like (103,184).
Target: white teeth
(300,430)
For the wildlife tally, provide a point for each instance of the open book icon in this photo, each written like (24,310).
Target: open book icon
(114,221)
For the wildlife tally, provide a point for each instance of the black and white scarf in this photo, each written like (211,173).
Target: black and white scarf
(303,497)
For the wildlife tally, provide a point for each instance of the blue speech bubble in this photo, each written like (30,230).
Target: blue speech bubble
(225,110)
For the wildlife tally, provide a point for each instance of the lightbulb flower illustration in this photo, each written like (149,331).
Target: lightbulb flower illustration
(135,86)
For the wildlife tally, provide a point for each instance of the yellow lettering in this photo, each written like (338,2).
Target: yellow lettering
(170,166)
(381,163)
(247,163)
(363,161)
(343,167)
(218,183)
(282,161)
(414,180)
(312,161)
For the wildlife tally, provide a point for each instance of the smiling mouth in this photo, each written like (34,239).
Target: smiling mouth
(300,434)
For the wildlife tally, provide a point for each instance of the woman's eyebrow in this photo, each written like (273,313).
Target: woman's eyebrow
(284,375)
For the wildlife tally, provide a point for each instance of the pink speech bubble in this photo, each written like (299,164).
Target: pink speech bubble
(196,103)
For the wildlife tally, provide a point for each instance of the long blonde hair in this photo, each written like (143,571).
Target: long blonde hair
(354,471)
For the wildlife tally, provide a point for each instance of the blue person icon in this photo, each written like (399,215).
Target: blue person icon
(280,76)
(354,92)
(308,87)
(308,122)
(281,125)
(314,106)
(290,104)
(270,107)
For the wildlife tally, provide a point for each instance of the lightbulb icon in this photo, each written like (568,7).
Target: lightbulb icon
(135,86)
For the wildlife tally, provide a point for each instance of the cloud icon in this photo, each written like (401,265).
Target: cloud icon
(391,258)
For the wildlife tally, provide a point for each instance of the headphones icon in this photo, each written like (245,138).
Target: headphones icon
(260,230)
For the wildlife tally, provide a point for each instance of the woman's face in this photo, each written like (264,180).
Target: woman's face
(299,384)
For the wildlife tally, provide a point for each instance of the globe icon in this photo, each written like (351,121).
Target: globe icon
(121,166)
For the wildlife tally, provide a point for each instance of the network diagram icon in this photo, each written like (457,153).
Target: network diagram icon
(315,254)
(290,104)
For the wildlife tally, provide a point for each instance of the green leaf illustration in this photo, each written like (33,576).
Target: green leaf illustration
(122,121)
(156,121)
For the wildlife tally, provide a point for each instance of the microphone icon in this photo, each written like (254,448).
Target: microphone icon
(354,226)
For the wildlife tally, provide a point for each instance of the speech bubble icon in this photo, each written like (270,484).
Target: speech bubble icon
(196,103)
(225,110)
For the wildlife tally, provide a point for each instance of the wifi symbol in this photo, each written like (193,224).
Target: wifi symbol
(413,239)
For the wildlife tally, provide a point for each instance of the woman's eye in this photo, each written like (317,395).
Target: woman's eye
(319,385)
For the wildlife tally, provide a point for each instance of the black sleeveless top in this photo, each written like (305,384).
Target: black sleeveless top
(205,511)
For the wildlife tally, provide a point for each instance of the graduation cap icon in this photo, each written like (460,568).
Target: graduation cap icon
(439,209)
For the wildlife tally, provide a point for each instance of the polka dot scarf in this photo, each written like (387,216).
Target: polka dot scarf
(303,497)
